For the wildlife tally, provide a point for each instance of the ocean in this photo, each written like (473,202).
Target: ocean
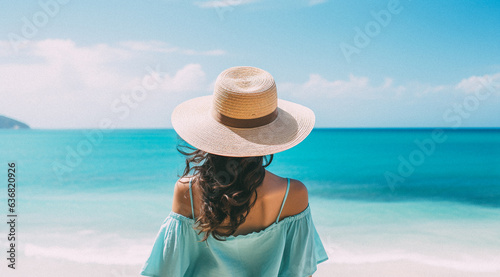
(90,203)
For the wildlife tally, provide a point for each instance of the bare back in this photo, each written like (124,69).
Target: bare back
(270,197)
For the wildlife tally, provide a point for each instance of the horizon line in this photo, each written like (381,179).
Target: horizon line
(316,128)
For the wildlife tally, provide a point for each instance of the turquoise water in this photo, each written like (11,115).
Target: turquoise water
(376,195)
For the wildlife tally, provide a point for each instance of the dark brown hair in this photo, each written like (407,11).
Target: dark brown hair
(229,188)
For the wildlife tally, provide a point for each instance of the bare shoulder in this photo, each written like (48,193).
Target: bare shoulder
(181,203)
(297,200)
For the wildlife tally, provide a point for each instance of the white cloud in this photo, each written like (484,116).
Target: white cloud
(151,46)
(363,102)
(337,87)
(189,78)
(223,3)
(162,47)
(476,83)
(234,3)
(58,84)
(59,67)
(424,89)
(216,52)
(362,88)
(359,87)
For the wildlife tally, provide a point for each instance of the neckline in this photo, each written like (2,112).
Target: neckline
(269,228)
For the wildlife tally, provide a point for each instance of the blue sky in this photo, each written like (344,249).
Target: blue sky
(77,64)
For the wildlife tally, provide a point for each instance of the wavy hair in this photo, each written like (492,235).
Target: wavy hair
(229,188)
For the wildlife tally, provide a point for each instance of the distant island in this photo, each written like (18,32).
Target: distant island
(9,123)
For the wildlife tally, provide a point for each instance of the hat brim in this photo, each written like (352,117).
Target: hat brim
(193,122)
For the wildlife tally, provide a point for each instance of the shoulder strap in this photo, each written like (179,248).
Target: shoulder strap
(284,199)
(191,197)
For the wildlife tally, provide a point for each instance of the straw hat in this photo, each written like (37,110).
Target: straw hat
(243,117)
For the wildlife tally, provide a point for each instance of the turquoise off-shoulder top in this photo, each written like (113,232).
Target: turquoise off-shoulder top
(290,247)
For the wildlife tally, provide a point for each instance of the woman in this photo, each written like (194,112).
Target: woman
(230,216)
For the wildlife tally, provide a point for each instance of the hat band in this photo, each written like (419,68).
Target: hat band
(245,123)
